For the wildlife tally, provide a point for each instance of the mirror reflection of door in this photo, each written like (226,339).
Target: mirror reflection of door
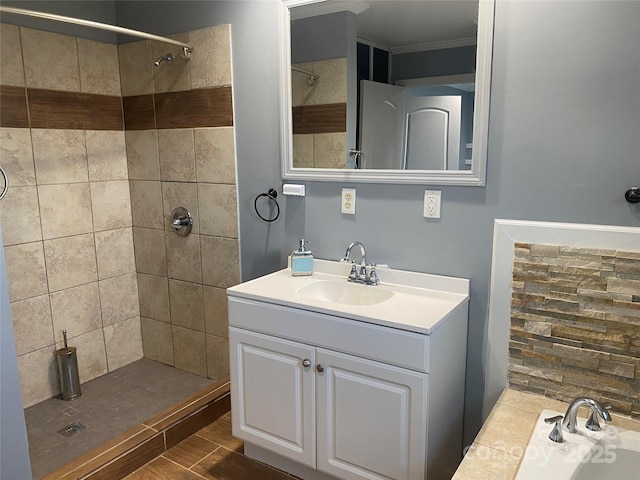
(401,130)
(432,133)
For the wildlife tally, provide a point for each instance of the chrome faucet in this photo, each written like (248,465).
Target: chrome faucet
(361,276)
(597,409)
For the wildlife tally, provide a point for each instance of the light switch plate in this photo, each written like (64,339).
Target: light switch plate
(348,201)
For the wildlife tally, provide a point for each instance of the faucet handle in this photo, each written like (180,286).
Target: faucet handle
(592,422)
(556,434)
(373,276)
(353,275)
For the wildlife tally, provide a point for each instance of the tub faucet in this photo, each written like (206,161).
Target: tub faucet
(597,409)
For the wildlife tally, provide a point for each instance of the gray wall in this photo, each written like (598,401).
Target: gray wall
(433,63)
(14,449)
(564,146)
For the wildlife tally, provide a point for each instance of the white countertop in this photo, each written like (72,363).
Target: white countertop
(420,301)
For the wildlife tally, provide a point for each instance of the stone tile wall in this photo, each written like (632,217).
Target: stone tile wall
(182,280)
(575,324)
(66,219)
(326,149)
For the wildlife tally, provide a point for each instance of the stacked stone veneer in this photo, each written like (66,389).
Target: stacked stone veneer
(575,324)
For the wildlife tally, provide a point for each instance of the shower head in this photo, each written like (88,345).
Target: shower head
(167,58)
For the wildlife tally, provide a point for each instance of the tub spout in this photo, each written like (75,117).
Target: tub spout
(597,409)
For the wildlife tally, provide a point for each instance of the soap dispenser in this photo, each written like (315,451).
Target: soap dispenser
(301,260)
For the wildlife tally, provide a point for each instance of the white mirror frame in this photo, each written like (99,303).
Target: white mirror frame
(473,177)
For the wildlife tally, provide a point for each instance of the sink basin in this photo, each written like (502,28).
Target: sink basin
(345,293)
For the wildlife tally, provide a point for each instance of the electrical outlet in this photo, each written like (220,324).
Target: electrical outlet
(348,203)
(432,203)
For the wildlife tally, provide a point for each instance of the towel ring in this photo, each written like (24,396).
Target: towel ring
(271,195)
(6,184)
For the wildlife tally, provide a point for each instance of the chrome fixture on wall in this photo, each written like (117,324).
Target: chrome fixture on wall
(181,221)
(167,58)
(632,195)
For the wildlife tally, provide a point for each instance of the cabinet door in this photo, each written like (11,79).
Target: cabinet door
(273,394)
(371,419)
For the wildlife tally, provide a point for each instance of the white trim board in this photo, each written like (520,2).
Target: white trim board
(505,234)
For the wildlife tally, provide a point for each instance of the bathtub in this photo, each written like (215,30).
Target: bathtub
(610,454)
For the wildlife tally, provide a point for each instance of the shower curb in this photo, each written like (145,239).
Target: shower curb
(139,445)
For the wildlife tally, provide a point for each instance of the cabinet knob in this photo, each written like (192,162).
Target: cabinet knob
(306,362)
(319,368)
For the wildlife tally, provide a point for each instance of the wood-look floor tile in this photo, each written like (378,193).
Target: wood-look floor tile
(162,469)
(224,464)
(190,451)
(195,422)
(220,432)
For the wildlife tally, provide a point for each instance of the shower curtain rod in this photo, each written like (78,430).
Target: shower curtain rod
(312,76)
(186,48)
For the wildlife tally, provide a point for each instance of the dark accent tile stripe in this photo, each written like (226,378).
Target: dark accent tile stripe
(138,112)
(71,110)
(210,107)
(13,107)
(328,118)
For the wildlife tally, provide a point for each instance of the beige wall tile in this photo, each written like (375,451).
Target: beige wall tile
(71,261)
(215,155)
(142,154)
(220,267)
(180,194)
(114,252)
(99,68)
(123,342)
(32,325)
(186,305)
(303,151)
(11,68)
(174,77)
(136,68)
(65,210)
(301,91)
(211,58)
(150,251)
(119,299)
(60,156)
(50,60)
(20,216)
(111,205)
(157,340)
(91,354)
(216,316)
(330,150)
(183,257)
(26,272)
(154,297)
(76,310)
(38,376)
(332,85)
(146,204)
(177,155)
(16,155)
(106,155)
(217,357)
(219,207)
(189,350)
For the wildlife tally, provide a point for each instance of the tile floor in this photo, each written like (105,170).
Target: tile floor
(211,454)
(109,405)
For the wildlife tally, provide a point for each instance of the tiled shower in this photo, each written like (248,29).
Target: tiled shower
(99,146)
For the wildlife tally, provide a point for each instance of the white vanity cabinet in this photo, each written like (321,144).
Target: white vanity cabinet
(344,415)
(323,393)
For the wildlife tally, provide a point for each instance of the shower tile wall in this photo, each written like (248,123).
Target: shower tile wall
(319,115)
(66,219)
(181,152)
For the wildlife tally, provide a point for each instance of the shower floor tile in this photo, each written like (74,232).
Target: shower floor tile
(109,405)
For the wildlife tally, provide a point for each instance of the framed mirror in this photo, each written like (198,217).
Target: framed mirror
(362,104)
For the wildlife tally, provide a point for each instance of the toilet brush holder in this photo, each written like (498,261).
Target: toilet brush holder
(67,361)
